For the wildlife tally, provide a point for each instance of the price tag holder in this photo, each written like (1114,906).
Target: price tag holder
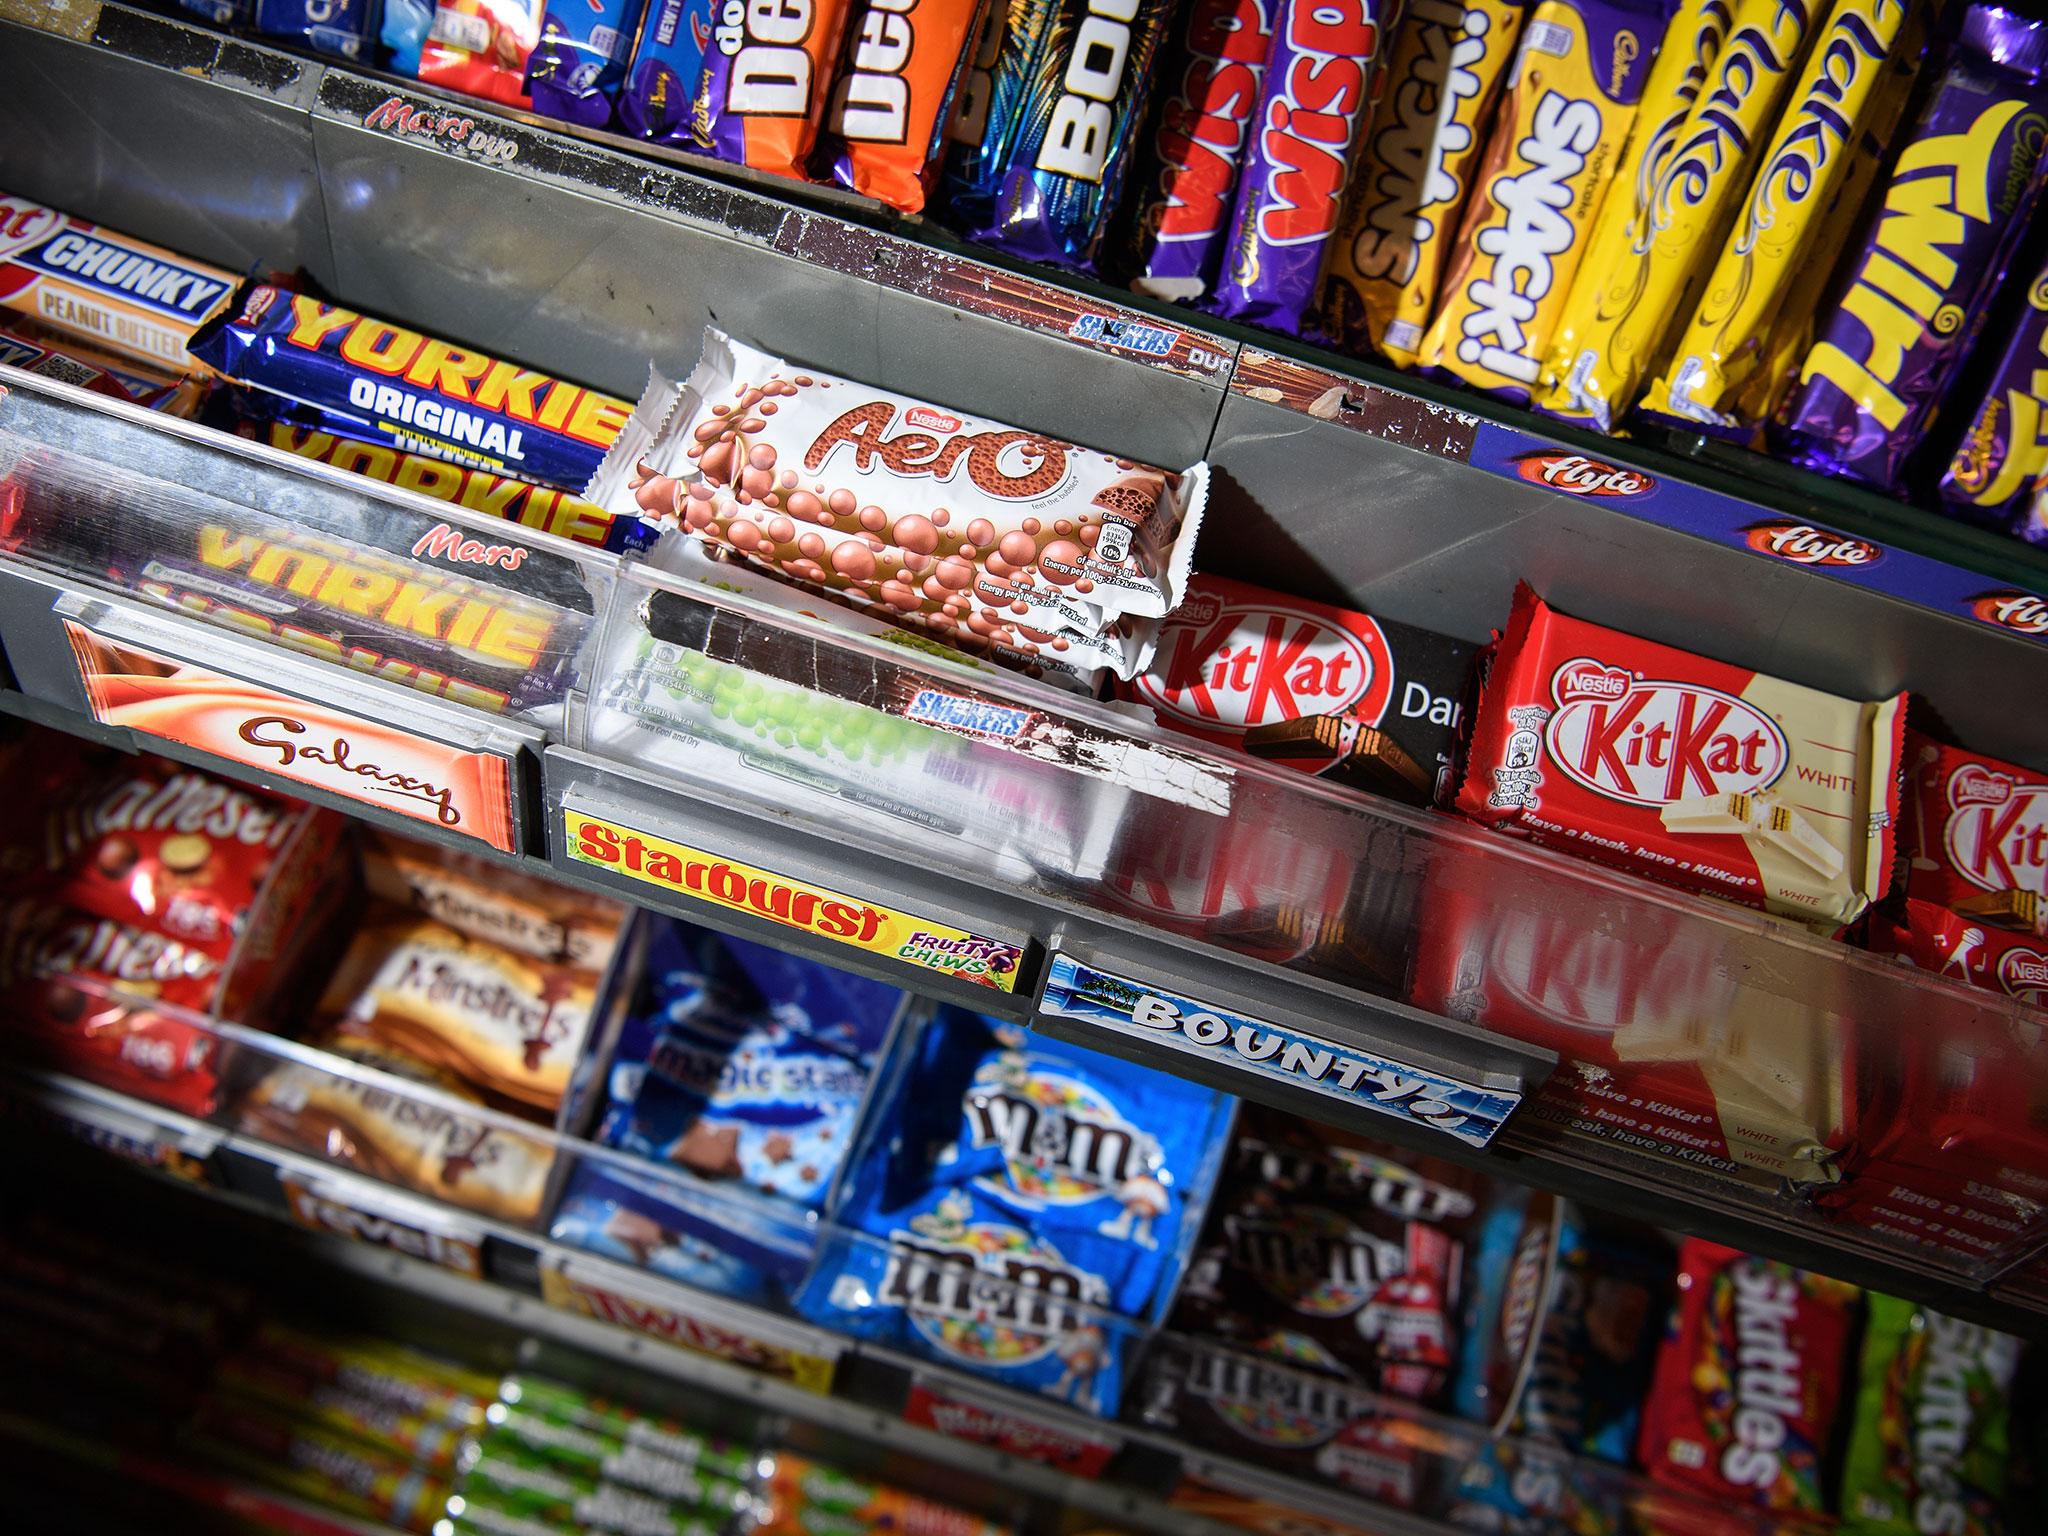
(176,1151)
(955,1409)
(710,1325)
(364,1214)
(1303,1061)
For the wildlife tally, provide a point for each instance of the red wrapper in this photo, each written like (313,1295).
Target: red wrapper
(480,48)
(1685,770)
(1749,1382)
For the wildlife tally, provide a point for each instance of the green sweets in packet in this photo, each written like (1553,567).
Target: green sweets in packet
(1927,1454)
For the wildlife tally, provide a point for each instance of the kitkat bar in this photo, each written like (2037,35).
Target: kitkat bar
(1365,702)
(1750,1382)
(1685,770)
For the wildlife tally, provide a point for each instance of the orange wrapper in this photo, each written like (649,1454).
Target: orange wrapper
(904,63)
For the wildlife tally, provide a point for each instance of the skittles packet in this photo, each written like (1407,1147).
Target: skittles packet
(575,71)
(2003,454)
(481,48)
(660,89)
(1850,73)
(1961,190)
(1570,103)
(1652,249)
(1408,191)
(767,73)
(1020,1202)
(904,63)
(1197,143)
(1080,111)
(1748,1382)
(1311,116)
(1929,1447)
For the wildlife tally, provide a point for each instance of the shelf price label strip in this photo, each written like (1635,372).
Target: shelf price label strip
(348,1209)
(180,1151)
(956,1410)
(1302,1061)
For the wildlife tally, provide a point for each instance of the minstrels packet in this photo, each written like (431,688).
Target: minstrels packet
(961,522)
(1406,195)
(1644,272)
(1570,103)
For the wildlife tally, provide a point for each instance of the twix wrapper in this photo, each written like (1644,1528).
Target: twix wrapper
(1647,266)
(1407,193)
(1792,202)
(1684,770)
(1570,103)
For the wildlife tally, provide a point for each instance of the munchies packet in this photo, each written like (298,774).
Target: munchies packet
(1685,770)
(1749,1380)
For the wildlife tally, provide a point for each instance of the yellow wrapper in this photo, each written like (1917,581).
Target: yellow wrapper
(1402,212)
(1571,97)
(1752,285)
(1647,269)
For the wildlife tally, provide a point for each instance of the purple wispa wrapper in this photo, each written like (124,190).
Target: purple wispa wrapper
(1871,384)
(1291,190)
(1181,222)
(762,102)
(2005,450)
(2031,526)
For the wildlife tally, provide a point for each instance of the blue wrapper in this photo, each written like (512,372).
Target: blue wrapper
(339,27)
(1021,1203)
(648,1222)
(1083,107)
(667,70)
(575,70)
(1511,1255)
(403,32)
(1513,1488)
(991,107)
(222,13)
(340,372)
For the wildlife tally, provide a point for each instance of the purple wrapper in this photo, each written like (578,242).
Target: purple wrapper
(575,68)
(767,75)
(1992,474)
(1197,143)
(1311,116)
(668,68)
(2031,526)
(1961,191)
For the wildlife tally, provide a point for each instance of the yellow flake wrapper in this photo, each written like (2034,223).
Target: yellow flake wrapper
(1570,101)
(1410,186)
(1756,282)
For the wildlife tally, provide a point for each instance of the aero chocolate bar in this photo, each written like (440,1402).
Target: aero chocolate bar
(1685,770)
(1364,701)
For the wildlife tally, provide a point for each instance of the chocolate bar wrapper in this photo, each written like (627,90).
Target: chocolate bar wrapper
(1304,685)
(334,1470)
(2005,449)
(1208,92)
(1929,1448)
(1549,165)
(539,507)
(1961,191)
(1406,195)
(481,47)
(575,70)
(337,27)
(992,529)
(1790,208)
(329,368)
(154,386)
(1682,769)
(660,92)
(53,362)
(1976,832)
(991,107)
(654,1222)
(1305,134)
(767,76)
(508,908)
(376,1369)
(1647,267)
(101,286)
(1749,1381)
(904,64)
(1080,115)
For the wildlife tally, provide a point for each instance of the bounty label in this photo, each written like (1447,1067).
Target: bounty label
(1302,1061)
(903,936)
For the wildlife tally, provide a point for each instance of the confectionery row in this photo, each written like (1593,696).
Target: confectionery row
(925,1181)
(1809,229)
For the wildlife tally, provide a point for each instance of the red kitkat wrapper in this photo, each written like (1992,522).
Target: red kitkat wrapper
(1681,769)
(1749,1382)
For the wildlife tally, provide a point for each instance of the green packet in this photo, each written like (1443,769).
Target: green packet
(514,1478)
(470,1516)
(587,1428)
(1927,1454)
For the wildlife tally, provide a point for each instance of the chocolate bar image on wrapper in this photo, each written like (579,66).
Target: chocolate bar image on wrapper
(1362,756)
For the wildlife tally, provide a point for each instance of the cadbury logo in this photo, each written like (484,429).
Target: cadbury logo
(1805,544)
(1577,475)
(1652,743)
(2011,609)
(448,129)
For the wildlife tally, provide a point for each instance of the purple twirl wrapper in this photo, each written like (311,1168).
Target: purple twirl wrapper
(1197,144)
(1960,195)
(766,80)
(1312,114)
(2003,453)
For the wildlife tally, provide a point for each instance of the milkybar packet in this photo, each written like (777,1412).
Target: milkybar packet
(1570,102)
(505,1025)
(1402,209)
(1699,774)
(1790,206)
(945,520)
(1658,231)
(489,902)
